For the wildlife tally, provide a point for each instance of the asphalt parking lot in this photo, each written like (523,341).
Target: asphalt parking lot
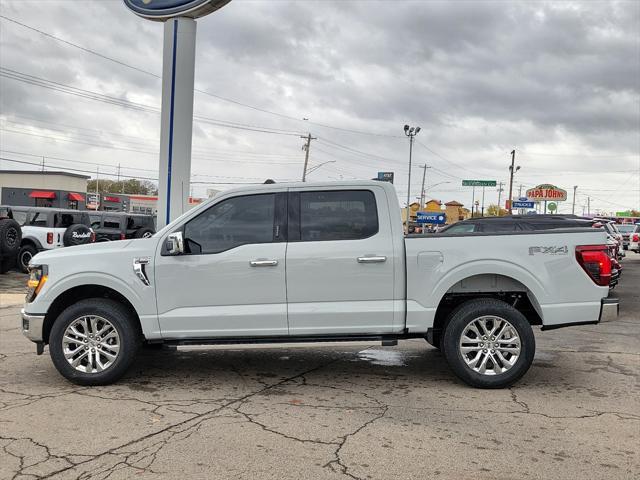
(329,412)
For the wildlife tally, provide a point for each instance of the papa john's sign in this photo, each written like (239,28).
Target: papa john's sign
(546,192)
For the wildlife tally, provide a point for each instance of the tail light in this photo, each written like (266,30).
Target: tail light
(636,238)
(122,236)
(595,262)
(49,238)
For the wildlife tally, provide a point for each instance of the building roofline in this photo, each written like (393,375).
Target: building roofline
(47,172)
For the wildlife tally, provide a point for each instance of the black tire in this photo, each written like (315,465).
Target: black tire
(10,237)
(123,322)
(76,234)
(143,233)
(471,310)
(7,263)
(26,253)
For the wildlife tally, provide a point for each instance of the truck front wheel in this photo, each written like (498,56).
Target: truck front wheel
(94,341)
(488,343)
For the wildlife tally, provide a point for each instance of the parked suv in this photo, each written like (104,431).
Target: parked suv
(120,226)
(10,237)
(49,228)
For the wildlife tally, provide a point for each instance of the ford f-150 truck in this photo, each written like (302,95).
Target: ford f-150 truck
(315,262)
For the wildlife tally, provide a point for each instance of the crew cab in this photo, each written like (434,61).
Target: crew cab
(315,262)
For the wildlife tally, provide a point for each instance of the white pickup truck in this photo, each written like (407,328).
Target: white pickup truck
(315,262)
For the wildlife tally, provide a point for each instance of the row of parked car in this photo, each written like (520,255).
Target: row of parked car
(620,237)
(25,231)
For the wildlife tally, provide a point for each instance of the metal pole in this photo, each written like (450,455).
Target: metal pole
(589,206)
(178,66)
(513,162)
(409,185)
(573,205)
(500,189)
(482,214)
(473,200)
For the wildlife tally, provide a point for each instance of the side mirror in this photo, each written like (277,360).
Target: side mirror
(175,244)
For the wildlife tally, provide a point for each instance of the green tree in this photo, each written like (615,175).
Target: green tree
(495,211)
(130,186)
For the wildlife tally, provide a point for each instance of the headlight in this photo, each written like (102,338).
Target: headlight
(38,275)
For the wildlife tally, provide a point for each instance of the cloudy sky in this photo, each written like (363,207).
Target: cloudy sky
(559,82)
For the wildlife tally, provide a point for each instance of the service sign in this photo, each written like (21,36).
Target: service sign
(165,9)
(546,192)
(431,217)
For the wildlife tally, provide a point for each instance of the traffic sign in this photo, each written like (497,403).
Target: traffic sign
(623,214)
(552,206)
(385,177)
(523,205)
(479,183)
(431,217)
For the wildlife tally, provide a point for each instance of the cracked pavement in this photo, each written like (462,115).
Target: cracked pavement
(330,412)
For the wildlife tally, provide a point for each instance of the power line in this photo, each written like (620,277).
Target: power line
(204,92)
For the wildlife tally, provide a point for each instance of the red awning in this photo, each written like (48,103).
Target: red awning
(41,194)
(75,196)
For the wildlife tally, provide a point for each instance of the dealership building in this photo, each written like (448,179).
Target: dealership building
(43,189)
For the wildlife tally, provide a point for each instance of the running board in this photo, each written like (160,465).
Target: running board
(385,340)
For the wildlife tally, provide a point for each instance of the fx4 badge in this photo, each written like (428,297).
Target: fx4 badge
(564,250)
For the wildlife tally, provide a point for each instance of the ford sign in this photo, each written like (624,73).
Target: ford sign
(165,9)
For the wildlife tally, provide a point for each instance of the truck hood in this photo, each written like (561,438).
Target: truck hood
(83,253)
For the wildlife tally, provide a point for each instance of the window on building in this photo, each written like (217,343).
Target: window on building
(337,215)
(233,222)
(73,204)
(44,202)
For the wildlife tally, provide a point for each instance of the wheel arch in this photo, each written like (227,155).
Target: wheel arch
(486,285)
(81,292)
(31,241)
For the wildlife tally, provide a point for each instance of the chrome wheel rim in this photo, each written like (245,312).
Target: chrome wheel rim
(91,344)
(490,345)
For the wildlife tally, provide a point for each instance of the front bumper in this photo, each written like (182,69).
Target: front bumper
(609,309)
(32,326)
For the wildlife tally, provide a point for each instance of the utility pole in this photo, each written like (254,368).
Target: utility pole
(511,172)
(500,190)
(423,197)
(43,163)
(410,132)
(520,191)
(306,148)
(473,201)
(573,205)
(589,206)
(482,211)
(97,180)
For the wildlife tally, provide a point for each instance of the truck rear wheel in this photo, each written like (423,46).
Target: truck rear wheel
(94,342)
(488,343)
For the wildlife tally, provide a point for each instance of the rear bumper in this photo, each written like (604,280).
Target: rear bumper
(609,309)
(32,326)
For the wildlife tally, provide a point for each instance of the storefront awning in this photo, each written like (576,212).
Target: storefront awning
(76,196)
(42,194)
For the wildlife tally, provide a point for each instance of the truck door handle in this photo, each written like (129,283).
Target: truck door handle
(372,259)
(263,263)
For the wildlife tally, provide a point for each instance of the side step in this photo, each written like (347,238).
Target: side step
(385,340)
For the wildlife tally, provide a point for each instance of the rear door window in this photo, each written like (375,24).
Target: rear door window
(38,219)
(111,222)
(338,215)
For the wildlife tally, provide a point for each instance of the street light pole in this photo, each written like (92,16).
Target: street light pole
(511,173)
(573,205)
(410,132)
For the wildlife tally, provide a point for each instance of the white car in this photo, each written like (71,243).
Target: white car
(315,262)
(634,239)
(48,229)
